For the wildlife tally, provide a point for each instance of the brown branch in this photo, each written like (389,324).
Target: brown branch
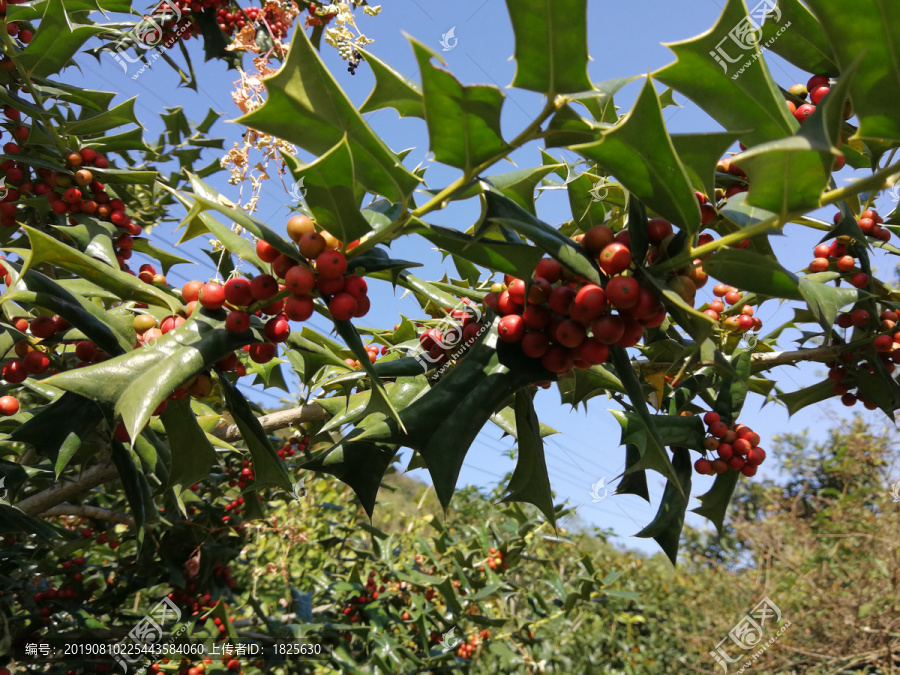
(64,492)
(764,360)
(90,512)
(312,412)
(101,473)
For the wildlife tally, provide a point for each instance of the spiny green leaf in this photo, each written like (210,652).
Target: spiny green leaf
(806,45)
(754,273)
(530,482)
(45,248)
(332,193)
(551,45)
(788,176)
(56,41)
(714,504)
(306,106)
(138,381)
(707,71)
(640,154)
(503,211)
(699,153)
(463,122)
(797,400)
(61,424)
(667,525)
(108,119)
(268,467)
(653,454)
(825,300)
(166,258)
(499,256)
(392,90)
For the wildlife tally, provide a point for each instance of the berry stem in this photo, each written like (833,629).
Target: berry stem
(875,181)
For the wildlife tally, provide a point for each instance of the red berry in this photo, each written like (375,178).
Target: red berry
(818,265)
(277,329)
(8,405)
(343,305)
(859,280)
(85,350)
(549,269)
(658,229)
(43,327)
(511,328)
(615,258)
(516,290)
(237,321)
(703,466)
(355,285)
(623,292)
(536,317)
(299,307)
(300,280)
(608,329)
(817,81)
(264,287)
(190,292)
(331,264)
(266,252)
(558,360)
(859,317)
(262,352)
(589,303)
(596,239)
(238,291)
(593,351)
(212,296)
(711,418)
(718,429)
(756,456)
(535,345)
(561,299)
(883,343)
(816,95)
(570,333)
(803,112)
(36,362)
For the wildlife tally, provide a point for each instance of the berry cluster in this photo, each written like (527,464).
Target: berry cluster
(66,194)
(440,345)
(886,345)
(817,88)
(495,559)
(295,443)
(373,591)
(467,648)
(552,322)
(735,323)
(737,447)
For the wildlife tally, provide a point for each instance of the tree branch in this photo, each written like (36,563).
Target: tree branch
(63,492)
(44,501)
(90,512)
(765,360)
(312,412)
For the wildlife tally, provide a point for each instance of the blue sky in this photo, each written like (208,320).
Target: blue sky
(624,40)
